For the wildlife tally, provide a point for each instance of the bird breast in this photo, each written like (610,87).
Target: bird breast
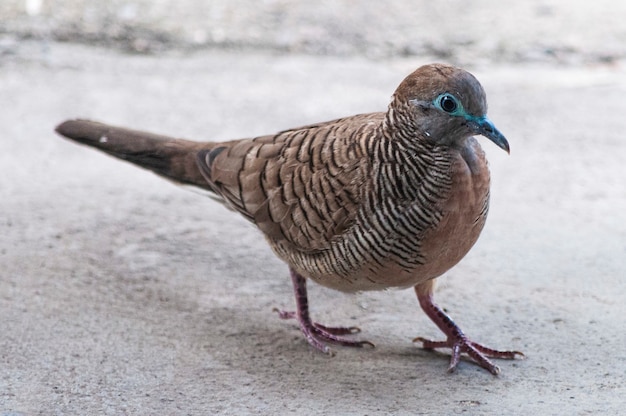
(400,241)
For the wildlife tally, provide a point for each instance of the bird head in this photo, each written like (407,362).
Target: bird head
(446,105)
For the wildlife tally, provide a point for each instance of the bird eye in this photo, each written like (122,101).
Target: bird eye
(448,104)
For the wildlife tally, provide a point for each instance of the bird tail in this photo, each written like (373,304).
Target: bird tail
(174,159)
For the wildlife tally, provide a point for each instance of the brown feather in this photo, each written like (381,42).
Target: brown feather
(364,202)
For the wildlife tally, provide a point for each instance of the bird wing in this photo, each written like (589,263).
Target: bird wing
(301,187)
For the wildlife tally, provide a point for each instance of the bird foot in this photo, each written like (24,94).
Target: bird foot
(479,353)
(317,334)
(456,339)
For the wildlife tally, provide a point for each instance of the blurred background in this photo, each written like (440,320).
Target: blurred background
(465,32)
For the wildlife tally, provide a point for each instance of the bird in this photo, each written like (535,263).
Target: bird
(375,201)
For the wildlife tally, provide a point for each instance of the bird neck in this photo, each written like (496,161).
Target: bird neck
(404,162)
(402,138)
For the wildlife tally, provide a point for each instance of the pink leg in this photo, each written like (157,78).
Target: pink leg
(457,341)
(317,334)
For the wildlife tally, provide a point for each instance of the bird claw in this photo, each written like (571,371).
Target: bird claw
(317,334)
(479,353)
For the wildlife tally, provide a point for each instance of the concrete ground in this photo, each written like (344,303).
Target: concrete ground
(123,294)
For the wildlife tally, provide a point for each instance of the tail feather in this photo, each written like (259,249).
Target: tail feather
(175,159)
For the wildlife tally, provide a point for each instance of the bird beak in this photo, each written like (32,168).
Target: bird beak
(484,127)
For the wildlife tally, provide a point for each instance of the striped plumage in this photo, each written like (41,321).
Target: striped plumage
(366,202)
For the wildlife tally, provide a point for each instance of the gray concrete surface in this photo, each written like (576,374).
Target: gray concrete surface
(123,294)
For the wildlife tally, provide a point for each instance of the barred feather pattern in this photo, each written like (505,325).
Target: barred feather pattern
(365,202)
(407,181)
(347,203)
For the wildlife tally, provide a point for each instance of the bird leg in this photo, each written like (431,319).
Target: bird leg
(457,340)
(317,334)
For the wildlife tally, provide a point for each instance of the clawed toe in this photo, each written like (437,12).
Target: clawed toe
(332,335)
(317,335)
(334,330)
(477,352)
(338,330)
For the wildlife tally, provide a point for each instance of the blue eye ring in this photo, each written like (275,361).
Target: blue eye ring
(448,103)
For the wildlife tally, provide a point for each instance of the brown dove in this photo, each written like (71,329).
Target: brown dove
(369,202)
